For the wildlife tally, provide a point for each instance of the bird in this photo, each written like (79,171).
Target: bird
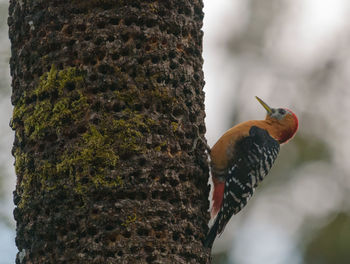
(240,160)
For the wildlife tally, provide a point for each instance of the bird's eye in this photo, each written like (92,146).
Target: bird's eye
(281,111)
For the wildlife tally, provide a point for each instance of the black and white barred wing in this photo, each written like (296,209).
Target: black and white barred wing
(253,158)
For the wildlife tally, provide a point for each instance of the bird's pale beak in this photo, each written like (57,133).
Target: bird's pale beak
(268,108)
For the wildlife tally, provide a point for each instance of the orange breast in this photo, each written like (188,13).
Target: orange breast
(223,150)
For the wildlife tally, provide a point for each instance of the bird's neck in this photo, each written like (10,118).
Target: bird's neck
(279,131)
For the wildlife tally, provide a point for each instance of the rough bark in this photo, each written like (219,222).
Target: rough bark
(108,103)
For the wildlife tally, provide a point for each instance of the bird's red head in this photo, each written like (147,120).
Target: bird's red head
(284,123)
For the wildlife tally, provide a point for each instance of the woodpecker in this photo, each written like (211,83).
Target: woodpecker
(241,159)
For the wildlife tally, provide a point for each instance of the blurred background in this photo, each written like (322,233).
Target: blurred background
(7,173)
(294,54)
(291,53)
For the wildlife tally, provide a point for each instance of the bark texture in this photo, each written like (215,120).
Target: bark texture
(108,103)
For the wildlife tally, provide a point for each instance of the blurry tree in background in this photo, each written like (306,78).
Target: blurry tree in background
(5,132)
(331,243)
(292,54)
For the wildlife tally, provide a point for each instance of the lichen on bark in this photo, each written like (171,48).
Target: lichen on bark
(54,109)
(59,102)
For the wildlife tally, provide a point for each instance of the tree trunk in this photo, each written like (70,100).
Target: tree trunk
(108,105)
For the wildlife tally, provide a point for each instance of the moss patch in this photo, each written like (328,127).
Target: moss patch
(128,131)
(54,110)
(91,161)
(129,96)
(90,158)
(162,146)
(174,126)
(163,95)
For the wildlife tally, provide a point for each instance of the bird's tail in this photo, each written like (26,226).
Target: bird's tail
(218,195)
(209,239)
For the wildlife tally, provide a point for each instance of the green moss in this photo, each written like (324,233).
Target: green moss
(19,111)
(174,126)
(161,146)
(91,159)
(55,81)
(129,220)
(153,7)
(48,112)
(97,154)
(23,174)
(127,131)
(35,123)
(21,163)
(119,181)
(163,95)
(129,96)
(46,177)
(89,162)
(86,165)
(68,77)
(57,103)
(48,82)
